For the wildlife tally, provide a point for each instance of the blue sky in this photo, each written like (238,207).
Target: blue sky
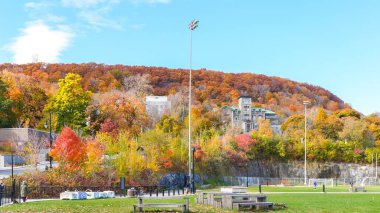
(331,43)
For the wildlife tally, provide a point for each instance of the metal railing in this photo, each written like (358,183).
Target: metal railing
(8,194)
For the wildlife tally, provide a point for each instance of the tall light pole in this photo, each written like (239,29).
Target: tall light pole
(13,193)
(193,24)
(50,139)
(376,167)
(305,103)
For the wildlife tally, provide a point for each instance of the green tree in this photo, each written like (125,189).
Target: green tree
(171,125)
(356,131)
(70,102)
(348,113)
(7,118)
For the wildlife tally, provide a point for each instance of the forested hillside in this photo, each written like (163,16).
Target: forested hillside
(99,110)
(210,87)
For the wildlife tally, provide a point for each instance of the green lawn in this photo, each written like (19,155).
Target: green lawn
(297,201)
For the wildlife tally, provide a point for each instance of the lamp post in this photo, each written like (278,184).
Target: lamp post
(50,139)
(143,154)
(246,166)
(13,192)
(305,103)
(193,24)
(376,167)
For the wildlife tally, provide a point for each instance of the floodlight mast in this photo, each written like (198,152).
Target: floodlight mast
(193,25)
(305,103)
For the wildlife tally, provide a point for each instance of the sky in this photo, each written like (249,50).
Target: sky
(330,43)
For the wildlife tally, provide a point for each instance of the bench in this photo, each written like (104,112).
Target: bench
(211,197)
(256,205)
(229,200)
(360,188)
(159,205)
(202,198)
(141,205)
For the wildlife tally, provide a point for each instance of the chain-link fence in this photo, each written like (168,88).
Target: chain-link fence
(254,181)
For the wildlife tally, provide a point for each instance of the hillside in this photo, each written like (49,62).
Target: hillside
(210,87)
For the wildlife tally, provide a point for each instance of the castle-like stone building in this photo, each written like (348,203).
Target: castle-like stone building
(245,116)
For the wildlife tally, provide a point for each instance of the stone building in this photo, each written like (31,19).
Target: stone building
(245,116)
(156,106)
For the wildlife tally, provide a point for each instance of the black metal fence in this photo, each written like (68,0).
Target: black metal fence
(6,195)
(9,194)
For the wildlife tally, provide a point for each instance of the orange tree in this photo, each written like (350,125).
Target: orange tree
(69,150)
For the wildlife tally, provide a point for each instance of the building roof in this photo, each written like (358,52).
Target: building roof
(242,96)
(266,111)
(231,107)
(156,98)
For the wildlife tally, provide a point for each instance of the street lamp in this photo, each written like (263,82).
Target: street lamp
(13,192)
(305,103)
(50,138)
(193,24)
(144,155)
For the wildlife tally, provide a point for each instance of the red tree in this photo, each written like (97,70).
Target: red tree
(245,142)
(69,150)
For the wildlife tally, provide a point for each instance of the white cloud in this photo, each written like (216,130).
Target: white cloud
(152,1)
(81,3)
(97,19)
(39,39)
(95,12)
(36,5)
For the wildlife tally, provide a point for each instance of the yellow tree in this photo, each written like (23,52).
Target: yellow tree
(129,159)
(70,102)
(94,151)
(264,128)
(320,118)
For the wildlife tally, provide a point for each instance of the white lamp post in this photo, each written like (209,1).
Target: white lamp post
(305,103)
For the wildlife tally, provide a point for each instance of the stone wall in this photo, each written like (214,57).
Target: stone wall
(22,135)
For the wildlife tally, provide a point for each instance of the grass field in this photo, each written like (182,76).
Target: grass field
(298,199)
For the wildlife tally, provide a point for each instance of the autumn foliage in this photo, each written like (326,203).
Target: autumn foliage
(211,87)
(69,150)
(105,105)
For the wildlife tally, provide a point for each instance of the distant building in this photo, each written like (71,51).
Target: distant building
(156,106)
(18,137)
(246,117)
